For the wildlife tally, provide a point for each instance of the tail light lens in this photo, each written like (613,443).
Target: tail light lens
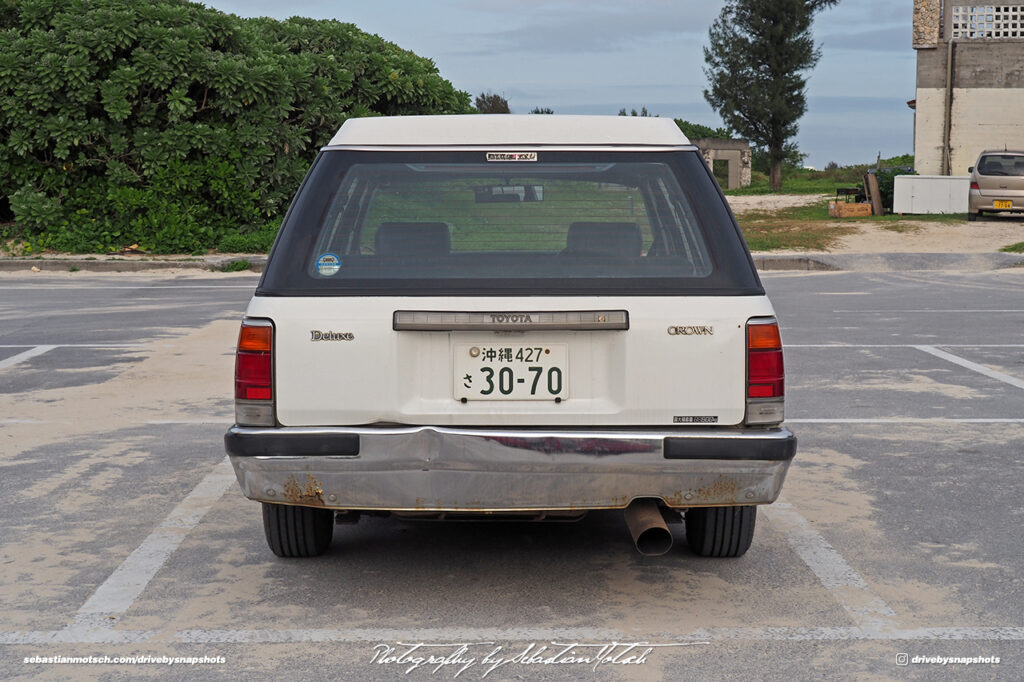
(254,374)
(974,185)
(766,376)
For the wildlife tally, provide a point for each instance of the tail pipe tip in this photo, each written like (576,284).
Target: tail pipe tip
(648,528)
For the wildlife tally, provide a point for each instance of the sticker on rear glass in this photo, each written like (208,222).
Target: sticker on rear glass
(328,264)
(511,156)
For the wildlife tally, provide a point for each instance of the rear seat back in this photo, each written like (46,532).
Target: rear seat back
(413,239)
(604,239)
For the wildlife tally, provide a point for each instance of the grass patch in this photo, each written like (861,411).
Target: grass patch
(1014,248)
(810,227)
(806,228)
(233,266)
(794,185)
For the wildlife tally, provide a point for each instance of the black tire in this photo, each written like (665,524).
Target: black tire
(971,217)
(720,531)
(297,531)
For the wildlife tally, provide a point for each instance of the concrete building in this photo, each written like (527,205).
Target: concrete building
(970,82)
(735,152)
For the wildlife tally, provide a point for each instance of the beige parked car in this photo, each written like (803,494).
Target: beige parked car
(997,183)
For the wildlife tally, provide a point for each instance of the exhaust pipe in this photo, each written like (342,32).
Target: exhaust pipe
(647,526)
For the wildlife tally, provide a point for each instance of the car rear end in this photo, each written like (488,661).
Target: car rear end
(997,183)
(536,316)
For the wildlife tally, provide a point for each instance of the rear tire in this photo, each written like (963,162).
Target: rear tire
(720,531)
(297,531)
(971,217)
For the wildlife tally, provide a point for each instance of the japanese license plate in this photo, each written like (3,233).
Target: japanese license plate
(1002,204)
(488,371)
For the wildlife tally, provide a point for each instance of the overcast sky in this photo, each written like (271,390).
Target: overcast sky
(598,56)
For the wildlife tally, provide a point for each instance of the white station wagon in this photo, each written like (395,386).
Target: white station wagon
(510,316)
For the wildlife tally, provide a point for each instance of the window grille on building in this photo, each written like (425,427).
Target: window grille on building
(988,21)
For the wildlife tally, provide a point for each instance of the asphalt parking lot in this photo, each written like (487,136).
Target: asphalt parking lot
(899,532)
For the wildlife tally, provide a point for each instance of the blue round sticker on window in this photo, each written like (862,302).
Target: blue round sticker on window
(328,264)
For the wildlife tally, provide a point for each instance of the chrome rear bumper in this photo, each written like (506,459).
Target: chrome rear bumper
(427,468)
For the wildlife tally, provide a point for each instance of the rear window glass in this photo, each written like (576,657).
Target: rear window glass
(423,223)
(1001,164)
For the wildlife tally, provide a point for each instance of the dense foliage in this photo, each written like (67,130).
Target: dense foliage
(698,131)
(757,55)
(693,131)
(887,183)
(491,103)
(177,127)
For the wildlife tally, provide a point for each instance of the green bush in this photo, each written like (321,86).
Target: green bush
(886,183)
(255,241)
(175,126)
(697,131)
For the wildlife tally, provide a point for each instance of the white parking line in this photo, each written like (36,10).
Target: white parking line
(933,310)
(98,634)
(78,345)
(907,420)
(980,369)
(844,583)
(36,351)
(126,583)
(901,345)
(874,619)
(26,355)
(60,287)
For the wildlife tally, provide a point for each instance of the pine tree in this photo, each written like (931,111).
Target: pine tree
(491,103)
(756,62)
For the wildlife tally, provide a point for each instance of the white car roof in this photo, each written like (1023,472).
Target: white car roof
(508,129)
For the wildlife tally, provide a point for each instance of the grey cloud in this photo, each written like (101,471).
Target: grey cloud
(589,28)
(887,39)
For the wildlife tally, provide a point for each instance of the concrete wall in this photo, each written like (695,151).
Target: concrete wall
(736,152)
(983,118)
(987,108)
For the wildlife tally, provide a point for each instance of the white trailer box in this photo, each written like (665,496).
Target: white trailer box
(931,193)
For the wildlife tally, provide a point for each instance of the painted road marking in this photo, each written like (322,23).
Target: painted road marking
(141,287)
(126,583)
(95,621)
(837,576)
(26,355)
(78,345)
(907,420)
(980,369)
(932,310)
(901,345)
(100,634)
(229,419)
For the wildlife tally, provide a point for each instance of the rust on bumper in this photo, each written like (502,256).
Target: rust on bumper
(426,468)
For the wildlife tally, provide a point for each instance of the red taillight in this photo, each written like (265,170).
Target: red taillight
(765,371)
(974,185)
(254,362)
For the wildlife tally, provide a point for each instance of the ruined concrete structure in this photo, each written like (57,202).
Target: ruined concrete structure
(970,82)
(736,152)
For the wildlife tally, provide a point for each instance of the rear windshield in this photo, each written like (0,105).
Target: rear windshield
(1001,164)
(435,223)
